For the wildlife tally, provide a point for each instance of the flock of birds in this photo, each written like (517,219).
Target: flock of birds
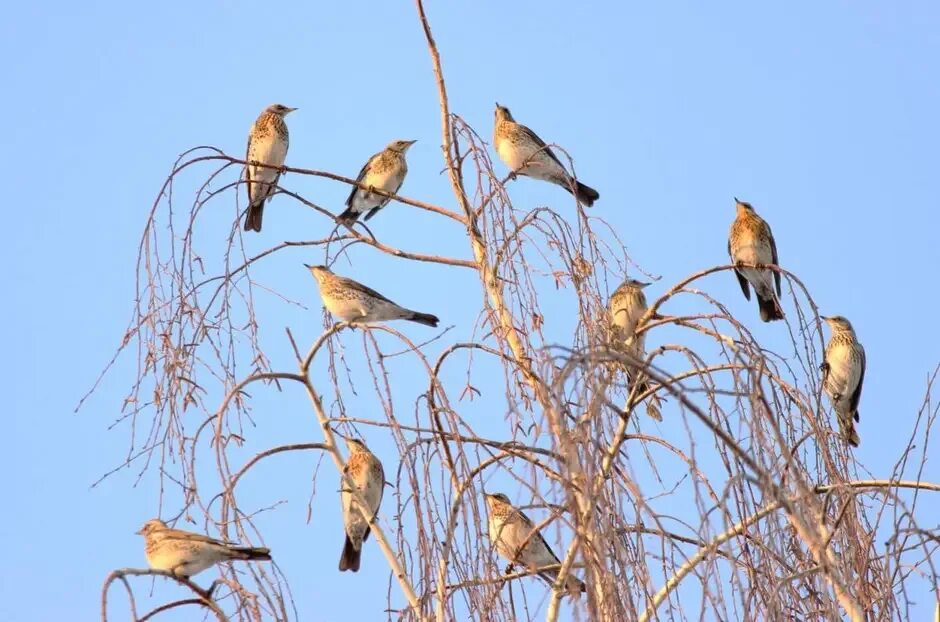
(751,246)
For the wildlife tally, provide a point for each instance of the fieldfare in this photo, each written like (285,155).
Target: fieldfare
(351,301)
(386,171)
(365,470)
(267,145)
(626,306)
(515,538)
(526,154)
(843,372)
(186,554)
(751,244)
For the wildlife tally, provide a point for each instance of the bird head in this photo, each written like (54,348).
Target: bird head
(502,113)
(280,109)
(354,444)
(151,526)
(400,146)
(496,499)
(743,207)
(634,283)
(837,323)
(318,272)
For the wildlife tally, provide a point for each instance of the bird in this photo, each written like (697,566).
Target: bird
(511,530)
(366,472)
(843,372)
(626,306)
(352,301)
(267,144)
(386,171)
(751,243)
(526,154)
(186,554)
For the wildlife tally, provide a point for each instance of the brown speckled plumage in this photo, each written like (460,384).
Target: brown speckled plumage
(186,554)
(367,474)
(751,243)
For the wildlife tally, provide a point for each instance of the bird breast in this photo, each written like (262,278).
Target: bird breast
(513,155)
(843,371)
(346,308)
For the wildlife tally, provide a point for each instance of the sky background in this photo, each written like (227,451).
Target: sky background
(823,115)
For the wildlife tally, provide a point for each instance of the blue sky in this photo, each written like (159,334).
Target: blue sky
(823,115)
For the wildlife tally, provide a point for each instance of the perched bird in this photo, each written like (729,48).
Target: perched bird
(751,242)
(386,171)
(512,533)
(626,306)
(186,554)
(351,301)
(842,374)
(267,144)
(526,154)
(365,470)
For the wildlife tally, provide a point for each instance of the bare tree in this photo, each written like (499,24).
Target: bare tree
(784,524)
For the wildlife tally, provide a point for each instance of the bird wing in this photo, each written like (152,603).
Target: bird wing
(189,536)
(537,537)
(360,177)
(366,290)
(857,393)
(773,255)
(541,143)
(378,502)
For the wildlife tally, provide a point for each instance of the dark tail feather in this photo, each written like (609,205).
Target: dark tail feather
(350,558)
(349,216)
(573,585)
(253,218)
(848,429)
(372,212)
(642,385)
(586,194)
(259,553)
(423,318)
(769,308)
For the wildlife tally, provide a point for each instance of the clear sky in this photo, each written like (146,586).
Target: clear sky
(823,115)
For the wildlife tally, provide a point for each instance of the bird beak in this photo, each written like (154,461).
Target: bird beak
(139,532)
(290,110)
(308,266)
(825,318)
(642,284)
(411,142)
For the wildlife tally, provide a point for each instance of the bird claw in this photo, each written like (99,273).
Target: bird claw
(509,569)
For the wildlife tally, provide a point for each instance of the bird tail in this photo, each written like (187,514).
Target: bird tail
(423,318)
(769,308)
(586,194)
(372,212)
(350,557)
(847,426)
(573,585)
(348,217)
(259,553)
(253,218)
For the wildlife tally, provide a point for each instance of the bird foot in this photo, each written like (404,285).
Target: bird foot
(509,569)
